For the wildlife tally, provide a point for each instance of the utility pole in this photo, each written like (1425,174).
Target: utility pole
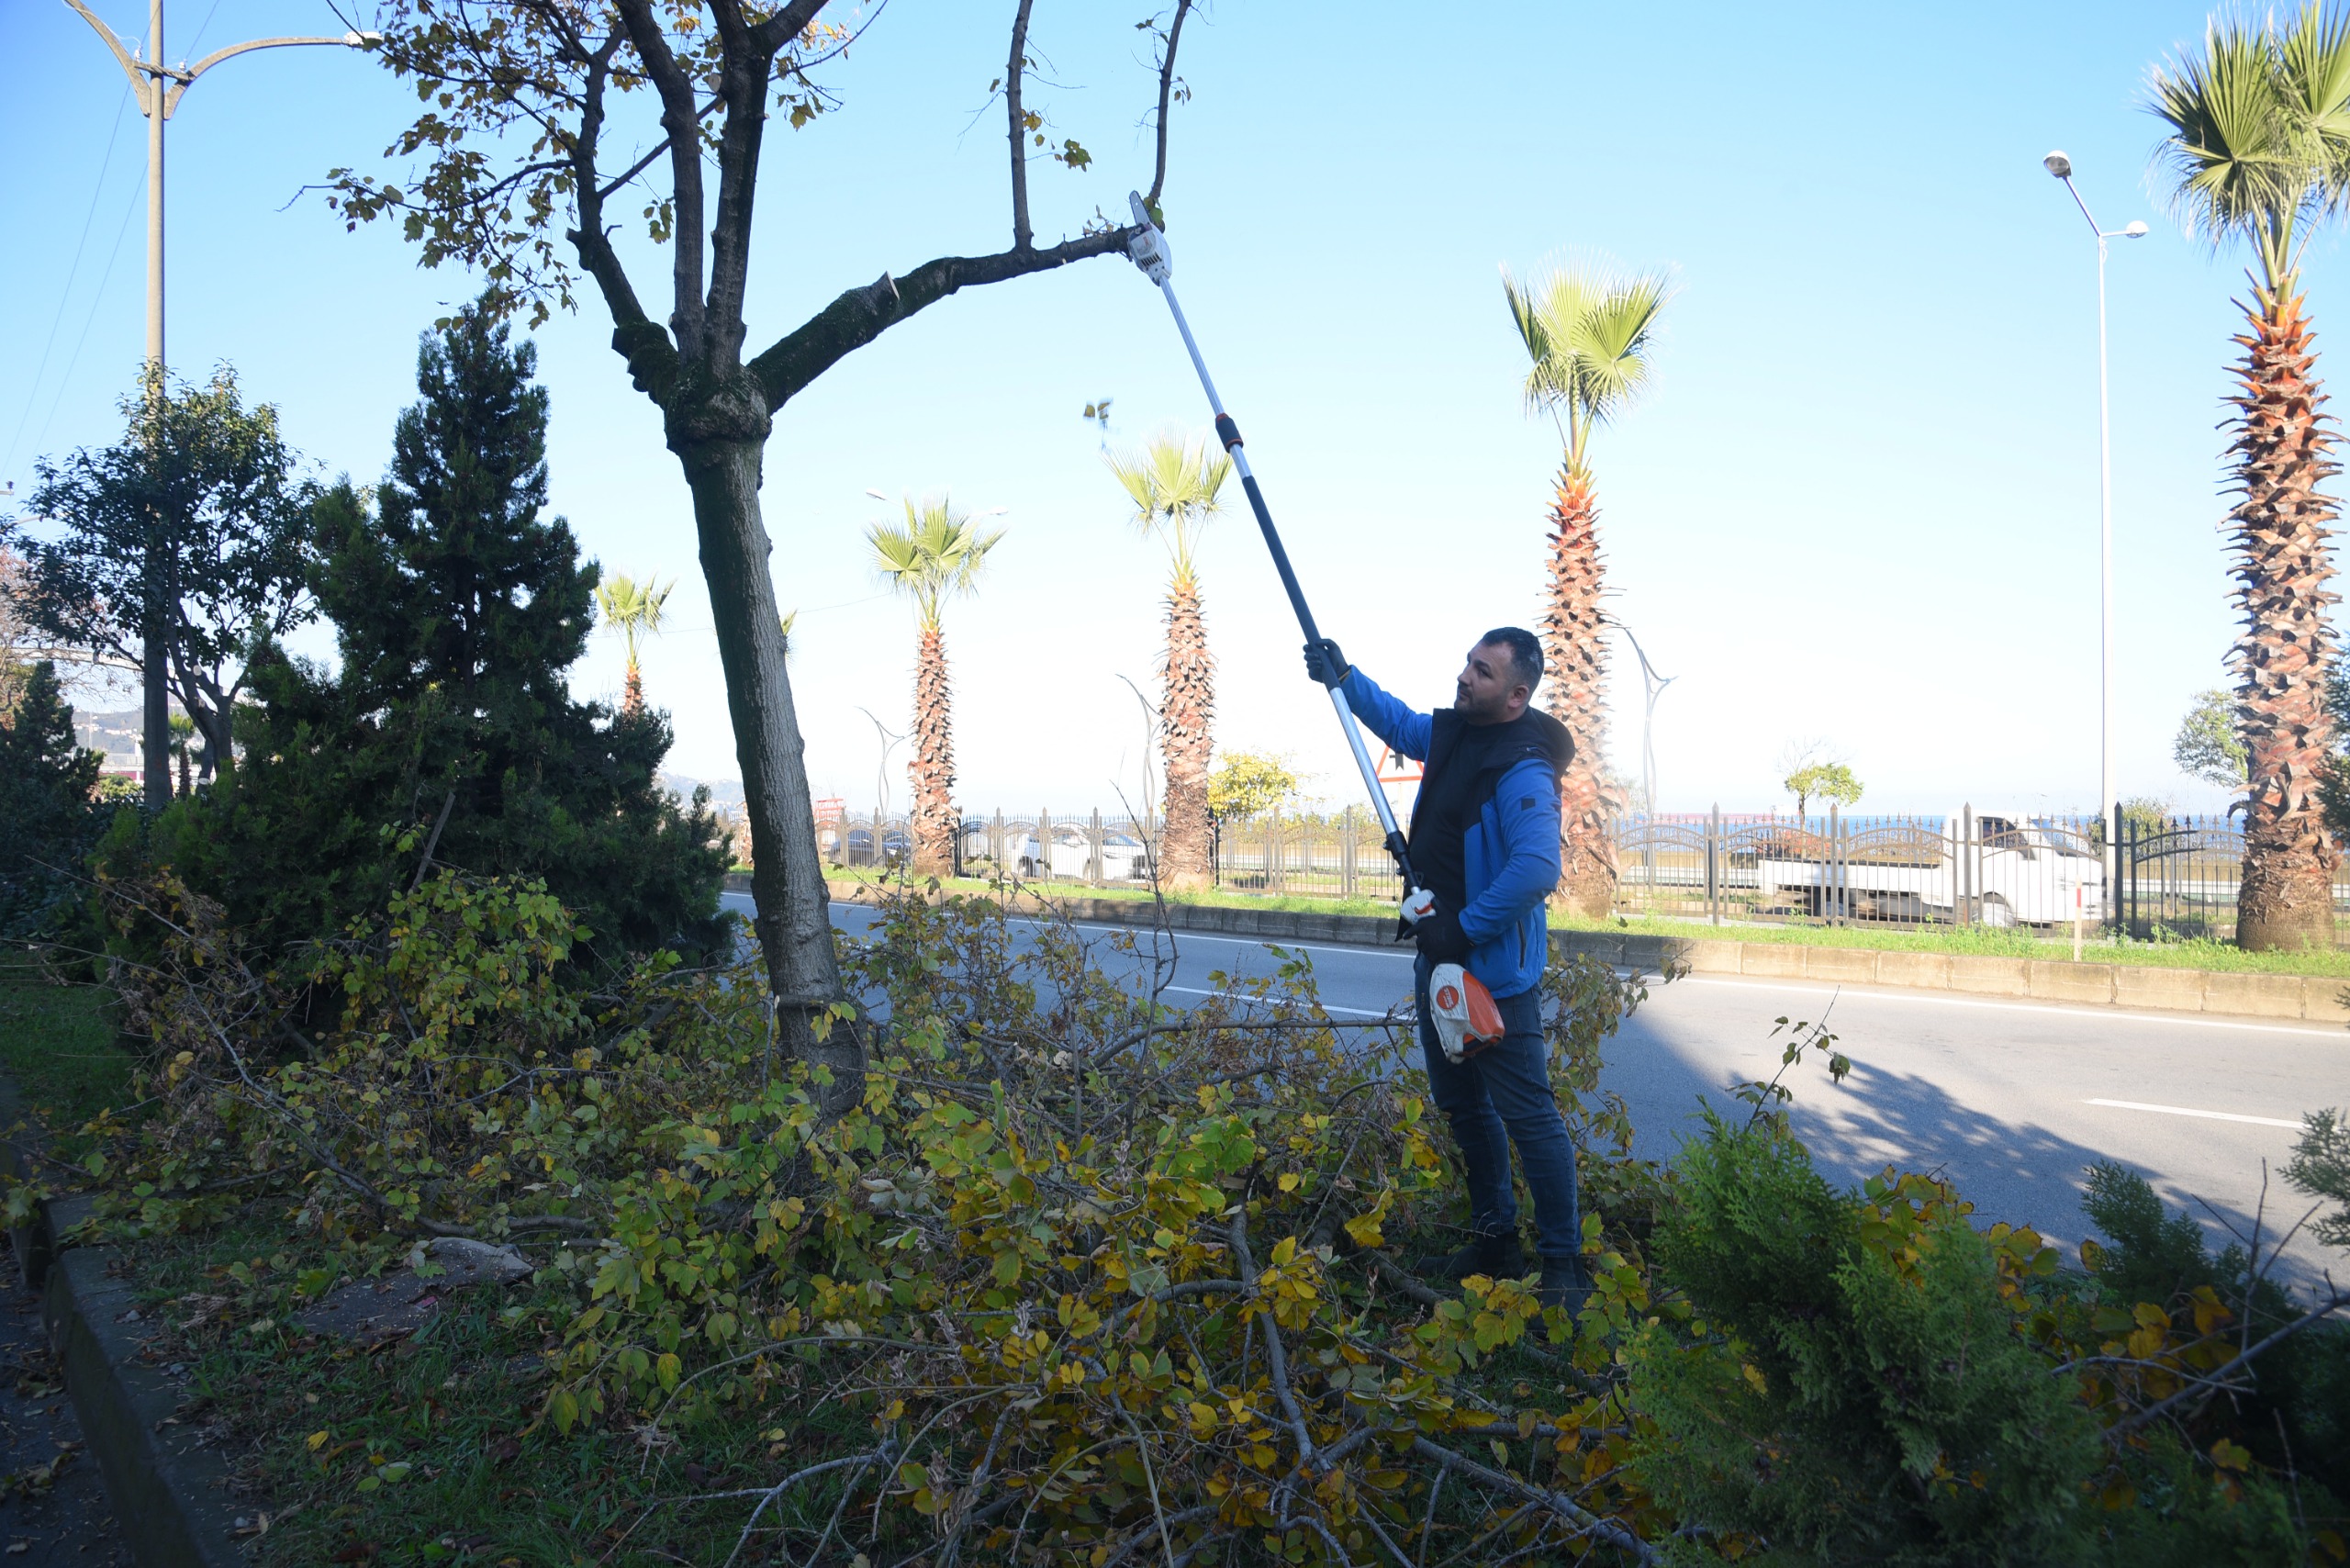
(156,88)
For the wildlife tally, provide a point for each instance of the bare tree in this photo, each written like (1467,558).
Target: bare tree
(533,110)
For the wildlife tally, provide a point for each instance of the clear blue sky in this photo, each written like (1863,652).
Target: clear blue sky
(1860,504)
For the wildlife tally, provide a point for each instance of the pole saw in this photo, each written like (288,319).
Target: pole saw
(1149,250)
(1460,1007)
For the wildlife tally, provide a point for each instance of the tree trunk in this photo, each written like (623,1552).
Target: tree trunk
(932,771)
(155,727)
(2282,447)
(632,692)
(720,444)
(1574,655)
(1187,740)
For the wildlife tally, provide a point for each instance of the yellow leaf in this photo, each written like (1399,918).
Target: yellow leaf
(1289,1181)
(317,1440)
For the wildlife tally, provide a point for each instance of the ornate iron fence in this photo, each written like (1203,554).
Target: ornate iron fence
(2173,877)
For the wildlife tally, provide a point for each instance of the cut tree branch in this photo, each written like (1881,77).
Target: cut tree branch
(1165,92)
(860,315)
(1022,237)
(1566,1507)
(2155,1412)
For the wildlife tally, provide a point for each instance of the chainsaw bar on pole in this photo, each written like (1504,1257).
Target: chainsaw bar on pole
(1149,250)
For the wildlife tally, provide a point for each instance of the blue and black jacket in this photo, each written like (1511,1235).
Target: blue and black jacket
(1511,855)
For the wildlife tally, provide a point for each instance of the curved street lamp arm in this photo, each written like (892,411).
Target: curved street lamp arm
(2083,206)
(122,56)
(1647,669)
(187,77)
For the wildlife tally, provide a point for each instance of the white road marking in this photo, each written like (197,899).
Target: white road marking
(1242,996)
(2183,1110)
(2188,1020)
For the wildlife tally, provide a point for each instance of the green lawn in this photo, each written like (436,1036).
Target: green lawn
(2184,953)
(58,1045)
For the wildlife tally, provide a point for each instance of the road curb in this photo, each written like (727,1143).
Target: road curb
(170,1494)
(2138,987)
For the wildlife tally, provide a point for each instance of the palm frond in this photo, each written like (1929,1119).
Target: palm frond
(1589,327)
(1176,484)
(2258,131)
(2314,62)
(938,552)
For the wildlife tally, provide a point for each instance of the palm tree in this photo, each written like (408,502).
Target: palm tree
(1589,328)
(937,553)
(2258,149)
(1174,484)
(633,606)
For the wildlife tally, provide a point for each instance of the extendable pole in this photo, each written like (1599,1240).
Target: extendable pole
(1149,250)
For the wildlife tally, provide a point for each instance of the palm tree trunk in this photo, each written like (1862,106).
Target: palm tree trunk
(720,449)
(2282,447)
(633,693)
(1187,740)
(933,769)
(1574,655)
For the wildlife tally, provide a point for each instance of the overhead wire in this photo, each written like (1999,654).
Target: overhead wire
(72,268)
(98,299)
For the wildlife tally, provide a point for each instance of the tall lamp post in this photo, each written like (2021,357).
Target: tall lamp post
(2061,167)
(158,88)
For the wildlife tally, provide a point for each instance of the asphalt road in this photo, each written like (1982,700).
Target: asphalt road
(2013,1101)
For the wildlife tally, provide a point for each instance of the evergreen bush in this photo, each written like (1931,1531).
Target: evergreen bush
(447,736)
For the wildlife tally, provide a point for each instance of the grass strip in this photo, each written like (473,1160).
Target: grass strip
(58,1045)
(2177,953)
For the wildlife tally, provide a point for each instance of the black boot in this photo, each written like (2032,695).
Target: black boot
(1496,1256)
(1564,1284)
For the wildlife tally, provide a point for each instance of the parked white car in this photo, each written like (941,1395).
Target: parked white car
(1123,857)
(1022,853)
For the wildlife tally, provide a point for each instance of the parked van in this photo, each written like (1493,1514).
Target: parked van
(2007,869)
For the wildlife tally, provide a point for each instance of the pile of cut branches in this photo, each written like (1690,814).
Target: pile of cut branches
(1110,1280)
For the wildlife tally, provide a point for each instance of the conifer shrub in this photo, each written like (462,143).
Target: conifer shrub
(48,817)
(446,736)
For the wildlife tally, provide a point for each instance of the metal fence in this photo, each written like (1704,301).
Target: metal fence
(2173,877)
(1336,855)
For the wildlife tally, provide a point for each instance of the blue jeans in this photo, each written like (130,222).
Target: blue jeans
(1502,1096)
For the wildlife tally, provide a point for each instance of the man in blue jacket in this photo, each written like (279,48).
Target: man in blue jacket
(1485,840)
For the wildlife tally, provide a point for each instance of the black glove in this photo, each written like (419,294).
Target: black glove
(1438,937)
(1325,663)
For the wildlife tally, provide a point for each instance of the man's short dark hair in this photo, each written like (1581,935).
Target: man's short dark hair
(1524,652)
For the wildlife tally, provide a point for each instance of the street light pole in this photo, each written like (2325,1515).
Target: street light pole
(158,88)
(1653,686)
(2061,167)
